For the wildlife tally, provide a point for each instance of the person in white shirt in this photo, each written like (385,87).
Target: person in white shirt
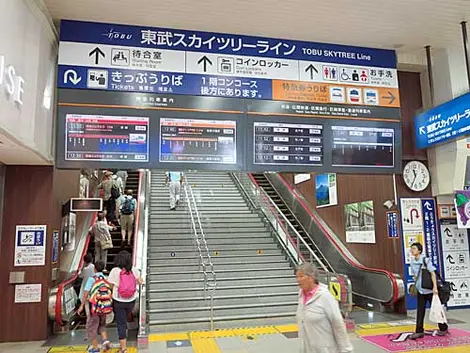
(123,306)
(174,179)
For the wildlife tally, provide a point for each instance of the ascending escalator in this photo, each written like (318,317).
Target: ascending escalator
(264,183)
(371,287)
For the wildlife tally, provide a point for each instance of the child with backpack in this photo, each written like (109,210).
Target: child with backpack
(98,295)
(124,279)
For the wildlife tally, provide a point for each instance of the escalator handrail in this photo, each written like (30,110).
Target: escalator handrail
(338,247)
(272,204)
(76,273)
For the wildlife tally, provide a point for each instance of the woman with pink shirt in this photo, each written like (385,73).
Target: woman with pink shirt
(321,326)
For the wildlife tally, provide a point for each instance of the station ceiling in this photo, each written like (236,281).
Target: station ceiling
(405,25)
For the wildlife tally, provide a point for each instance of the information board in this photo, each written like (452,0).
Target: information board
(280,143)
(363,147)
(198,141)
(106,138)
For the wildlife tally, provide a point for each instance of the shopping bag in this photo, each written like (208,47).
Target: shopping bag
(437,313)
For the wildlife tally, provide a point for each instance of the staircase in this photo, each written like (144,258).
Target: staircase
(254,280)
(264,183)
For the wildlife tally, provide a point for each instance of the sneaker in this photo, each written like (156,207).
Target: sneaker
(442,333)
(416,336)
(106,346)
(93,350)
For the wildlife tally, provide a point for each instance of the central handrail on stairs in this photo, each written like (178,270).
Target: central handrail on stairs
(204,254)
(292,242)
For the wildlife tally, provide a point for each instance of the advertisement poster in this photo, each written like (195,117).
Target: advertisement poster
(326,190)
(30,246)
(462,206)
(455,250)
(360,222)
(419,224)
(300,178)
(28,293)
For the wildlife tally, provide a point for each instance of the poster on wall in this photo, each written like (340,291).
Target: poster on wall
(419,224)
(392,224)
(462,206)
(30,245)
(360,222)
(300,178)
(326,190)
(455,250)
(28,293)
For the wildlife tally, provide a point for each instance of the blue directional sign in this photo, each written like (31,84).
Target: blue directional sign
(392,224)
(443,123)
(113,57)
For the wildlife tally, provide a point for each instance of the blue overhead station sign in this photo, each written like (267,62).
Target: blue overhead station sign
(443,123)
(115,57)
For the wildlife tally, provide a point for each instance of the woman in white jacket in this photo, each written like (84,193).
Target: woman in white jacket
(321,326)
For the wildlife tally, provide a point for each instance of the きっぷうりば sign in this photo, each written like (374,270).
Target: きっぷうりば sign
(127,58)
(443,123)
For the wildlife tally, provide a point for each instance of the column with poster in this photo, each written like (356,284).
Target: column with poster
(455,251)
(412,227)
(431,232)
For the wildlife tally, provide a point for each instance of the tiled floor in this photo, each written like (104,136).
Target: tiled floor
(259,340)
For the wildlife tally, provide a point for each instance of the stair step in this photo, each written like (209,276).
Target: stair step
(282,307)
(201,301)
(168,267)
(220,274)
(223,258)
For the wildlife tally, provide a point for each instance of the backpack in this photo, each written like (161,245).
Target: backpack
(127,284)
(101,297)
(115,192)
(127,207)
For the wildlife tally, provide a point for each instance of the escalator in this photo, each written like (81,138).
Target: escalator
(372,288)
(264,183)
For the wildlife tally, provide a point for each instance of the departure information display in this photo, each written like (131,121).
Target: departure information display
(106,138)
(363,146)
(198,141)
(288,144)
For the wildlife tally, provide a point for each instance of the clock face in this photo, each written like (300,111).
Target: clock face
(416,176)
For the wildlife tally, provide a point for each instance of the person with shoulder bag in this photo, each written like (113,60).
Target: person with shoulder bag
(425,288)
(103,239)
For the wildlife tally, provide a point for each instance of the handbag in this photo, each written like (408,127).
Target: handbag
(106,244)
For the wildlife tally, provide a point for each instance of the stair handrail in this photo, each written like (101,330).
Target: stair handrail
(202,264)
(259,197)
(209,286)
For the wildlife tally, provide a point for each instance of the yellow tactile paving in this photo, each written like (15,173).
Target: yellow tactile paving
(287,328)
(463,349)
(205,345)
(163,337)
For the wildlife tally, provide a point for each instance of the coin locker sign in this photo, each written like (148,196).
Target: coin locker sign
(30,245)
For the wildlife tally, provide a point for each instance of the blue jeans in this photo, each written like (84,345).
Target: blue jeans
(121,311)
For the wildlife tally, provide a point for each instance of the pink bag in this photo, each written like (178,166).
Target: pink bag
(127,284)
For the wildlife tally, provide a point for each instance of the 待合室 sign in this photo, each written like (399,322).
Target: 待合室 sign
(154,98)
(443,123)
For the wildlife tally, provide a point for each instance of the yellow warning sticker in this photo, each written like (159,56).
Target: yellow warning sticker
(335,289)
(260,252)
(216,253)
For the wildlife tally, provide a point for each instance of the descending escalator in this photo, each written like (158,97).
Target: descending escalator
(264,183)
(371,287)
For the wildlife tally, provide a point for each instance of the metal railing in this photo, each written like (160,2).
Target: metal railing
(292,242)
(141,252)
(205,260)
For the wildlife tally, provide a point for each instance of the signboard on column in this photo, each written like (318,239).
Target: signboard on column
(455,254)
(419,224)
(30,245)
